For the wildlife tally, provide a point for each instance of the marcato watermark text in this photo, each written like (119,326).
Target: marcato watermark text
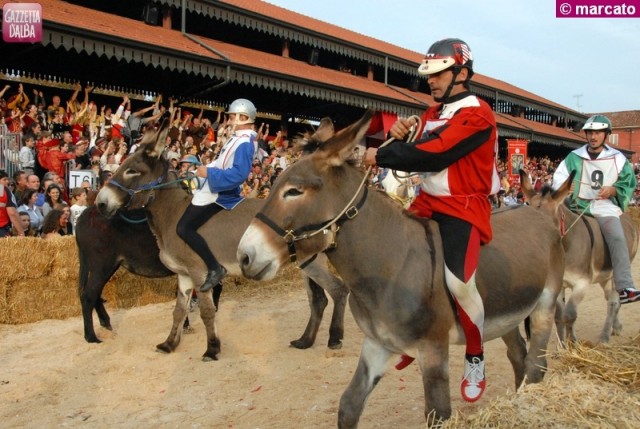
(598,8)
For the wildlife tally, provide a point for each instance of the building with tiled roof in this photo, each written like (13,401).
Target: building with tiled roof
(626,131)
(206,53)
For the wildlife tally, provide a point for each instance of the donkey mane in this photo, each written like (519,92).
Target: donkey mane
(546,189)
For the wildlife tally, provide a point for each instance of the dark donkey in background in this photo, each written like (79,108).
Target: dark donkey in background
(587,261)
(393,266)
(103,246)
(106,244)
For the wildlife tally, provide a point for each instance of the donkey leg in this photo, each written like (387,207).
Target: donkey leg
(103,316)
(91,298)
(179,314)
(612,325)
(571,308)
(541,324)
(88,304)
(317,303)
(433,358)
(516,352)
(217,292)
(559,317)
(339,294)
(373,362)
(208,316)
(186,326)
(321,276)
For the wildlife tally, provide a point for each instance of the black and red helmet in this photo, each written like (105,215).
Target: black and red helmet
(447,53)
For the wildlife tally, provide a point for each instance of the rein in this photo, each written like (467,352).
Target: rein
(131,220)
(563,231)
(332,226)
(412,137)
(153,185)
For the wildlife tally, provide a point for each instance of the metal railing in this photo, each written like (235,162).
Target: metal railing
(10,144)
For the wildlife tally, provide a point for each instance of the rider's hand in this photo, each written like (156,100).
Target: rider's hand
(607,192)
(201,171)
(370,156)
(401,127)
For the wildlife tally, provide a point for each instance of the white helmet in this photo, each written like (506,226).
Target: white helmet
(597,123)
(242,106)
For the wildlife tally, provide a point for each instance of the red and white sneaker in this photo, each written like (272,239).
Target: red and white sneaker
(628,295)
(473,382)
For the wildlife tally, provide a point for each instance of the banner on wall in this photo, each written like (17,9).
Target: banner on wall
(517,157)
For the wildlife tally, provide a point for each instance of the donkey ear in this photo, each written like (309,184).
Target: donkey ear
(155,140)
(525,185)
(325,130)
(565,189)
(339,148)
(309,143)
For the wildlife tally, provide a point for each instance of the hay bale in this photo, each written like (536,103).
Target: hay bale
(288,279)
(562,400)
(615,364)
(44,298)
(126,290)
(40,279)
(590,387)
(27,257)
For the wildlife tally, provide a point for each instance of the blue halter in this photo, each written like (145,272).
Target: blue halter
(154,184)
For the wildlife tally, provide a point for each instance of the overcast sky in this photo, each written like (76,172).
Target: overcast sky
(590,65)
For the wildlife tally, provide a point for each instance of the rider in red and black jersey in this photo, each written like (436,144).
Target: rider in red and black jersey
(455,155)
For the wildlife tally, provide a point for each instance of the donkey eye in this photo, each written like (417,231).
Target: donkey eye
(292,192)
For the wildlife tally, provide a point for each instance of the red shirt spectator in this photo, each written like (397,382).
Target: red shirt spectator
(56,158)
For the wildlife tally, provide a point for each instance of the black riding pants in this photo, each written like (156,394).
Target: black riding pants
(187,229)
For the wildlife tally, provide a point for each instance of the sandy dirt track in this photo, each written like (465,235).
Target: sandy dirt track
(50,377)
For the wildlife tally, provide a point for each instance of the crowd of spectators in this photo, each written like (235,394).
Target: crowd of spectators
(58,137)
(78,134)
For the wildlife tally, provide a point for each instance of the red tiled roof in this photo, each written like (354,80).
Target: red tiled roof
(628,118)
(315,25)
(61,12)
(136,31)
(318,26)
(538,128)
(67,14)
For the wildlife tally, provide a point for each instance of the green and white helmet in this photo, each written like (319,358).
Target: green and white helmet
(597,123)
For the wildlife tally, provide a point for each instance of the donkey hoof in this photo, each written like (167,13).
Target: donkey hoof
(163,348)
(209,358)
(301,344)
(337,345)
